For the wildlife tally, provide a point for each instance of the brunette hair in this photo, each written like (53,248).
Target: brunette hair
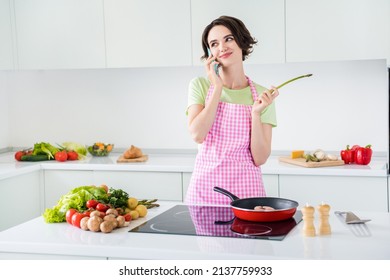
(239,31)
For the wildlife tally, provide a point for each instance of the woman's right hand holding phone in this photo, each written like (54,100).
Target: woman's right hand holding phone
(212,68)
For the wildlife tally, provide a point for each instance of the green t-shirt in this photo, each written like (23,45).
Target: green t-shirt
(199,87)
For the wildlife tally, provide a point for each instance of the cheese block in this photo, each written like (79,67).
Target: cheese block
(297,154)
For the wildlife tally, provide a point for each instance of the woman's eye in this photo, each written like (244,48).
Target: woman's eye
(229,39)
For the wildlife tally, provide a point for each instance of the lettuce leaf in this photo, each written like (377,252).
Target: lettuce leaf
(76,199)
(78,148)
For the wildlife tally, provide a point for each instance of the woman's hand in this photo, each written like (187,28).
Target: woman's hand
(210,65)
(264,100)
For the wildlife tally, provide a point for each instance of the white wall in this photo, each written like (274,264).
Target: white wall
(343,103)
(4,121)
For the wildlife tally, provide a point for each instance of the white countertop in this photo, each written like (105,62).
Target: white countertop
(37,237)
(181,163)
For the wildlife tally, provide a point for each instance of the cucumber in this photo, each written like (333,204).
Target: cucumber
(34,157)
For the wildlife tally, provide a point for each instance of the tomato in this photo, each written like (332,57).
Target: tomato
(72,155)
(92,203)
(88,213)
(102,207)
(69,215)
(127,217)
(18,155)
(61,156)
(76,218)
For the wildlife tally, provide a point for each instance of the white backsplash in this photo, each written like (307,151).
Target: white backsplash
(342,103)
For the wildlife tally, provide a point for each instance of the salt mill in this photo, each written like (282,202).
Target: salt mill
(308,220)
(324,226)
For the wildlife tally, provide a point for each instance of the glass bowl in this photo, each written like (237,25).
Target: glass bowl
(100,149)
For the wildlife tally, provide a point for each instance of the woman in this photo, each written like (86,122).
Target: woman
(228,117)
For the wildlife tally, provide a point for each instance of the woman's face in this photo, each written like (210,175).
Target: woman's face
(223,46)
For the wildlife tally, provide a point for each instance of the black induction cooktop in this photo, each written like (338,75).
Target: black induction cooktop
(216,221)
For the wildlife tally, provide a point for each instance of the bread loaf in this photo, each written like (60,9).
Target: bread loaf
(132,152)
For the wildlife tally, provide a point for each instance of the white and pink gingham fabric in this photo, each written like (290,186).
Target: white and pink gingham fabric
(224,159)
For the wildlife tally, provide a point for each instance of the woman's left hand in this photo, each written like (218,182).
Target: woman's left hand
(264,100)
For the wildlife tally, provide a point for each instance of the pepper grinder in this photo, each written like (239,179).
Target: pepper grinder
(324,226)
(308,220)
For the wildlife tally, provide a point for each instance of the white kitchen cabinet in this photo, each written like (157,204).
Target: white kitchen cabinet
(271,184)
(6,45)
(60,34)
(186,183)
(337,30)
(143,185)
(263,18)
(342,193)
(60,182)
(144,33)
(21,196)
(388,194)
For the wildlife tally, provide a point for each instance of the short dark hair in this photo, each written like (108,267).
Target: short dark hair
(239,31)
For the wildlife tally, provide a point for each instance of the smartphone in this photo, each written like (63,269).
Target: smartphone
(216,66)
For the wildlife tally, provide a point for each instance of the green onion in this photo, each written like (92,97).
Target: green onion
(289,81)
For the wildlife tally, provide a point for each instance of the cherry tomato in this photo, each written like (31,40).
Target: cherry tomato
(87,213)
(18,155)
(69,215)
(92,203)
(72,155)
(61,156)
(127,217)
(102,207)
(76,218)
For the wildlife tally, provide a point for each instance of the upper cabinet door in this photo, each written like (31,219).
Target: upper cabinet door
(60,34)
(263,18)
(337,30)
(6,47)
(143,33)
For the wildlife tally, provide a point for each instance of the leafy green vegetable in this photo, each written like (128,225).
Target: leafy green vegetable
(78,148)
(75,199)
(45,149)
(118,198)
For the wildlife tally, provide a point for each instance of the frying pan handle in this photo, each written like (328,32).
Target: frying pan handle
(225,192)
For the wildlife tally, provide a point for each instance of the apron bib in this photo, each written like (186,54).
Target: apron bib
(224,159)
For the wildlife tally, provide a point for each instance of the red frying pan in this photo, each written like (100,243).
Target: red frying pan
(244,208)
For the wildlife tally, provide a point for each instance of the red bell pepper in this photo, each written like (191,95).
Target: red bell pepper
(363,155)
(347,155)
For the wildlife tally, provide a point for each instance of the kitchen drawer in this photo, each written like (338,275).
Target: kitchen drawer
(143,185)
(342,193)
(60,182)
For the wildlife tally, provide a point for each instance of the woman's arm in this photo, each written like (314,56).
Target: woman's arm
(261,133)
(201,118)
(261,138)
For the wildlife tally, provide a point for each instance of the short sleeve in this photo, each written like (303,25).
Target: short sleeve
(269,114)
(197,91)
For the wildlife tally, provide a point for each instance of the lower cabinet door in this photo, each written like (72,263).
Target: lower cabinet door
(342,193)
(143,185)
(21,198)
(60,182)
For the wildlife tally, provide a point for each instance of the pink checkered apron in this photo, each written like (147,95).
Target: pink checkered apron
(225,159)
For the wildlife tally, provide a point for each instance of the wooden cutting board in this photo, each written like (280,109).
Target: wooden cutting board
(143,158)
(302,162)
